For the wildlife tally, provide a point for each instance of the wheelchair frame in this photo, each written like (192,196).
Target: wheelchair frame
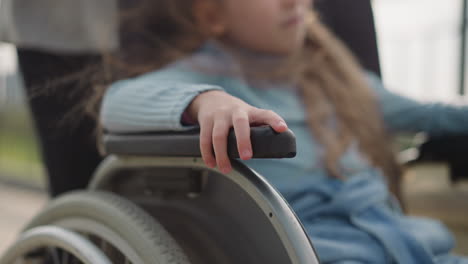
(212,217)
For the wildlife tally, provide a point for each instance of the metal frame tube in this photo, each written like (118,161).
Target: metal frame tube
(463,47)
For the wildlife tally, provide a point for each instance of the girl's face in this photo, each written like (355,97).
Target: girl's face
(272,26)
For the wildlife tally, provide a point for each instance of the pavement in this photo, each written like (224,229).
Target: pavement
(17,206)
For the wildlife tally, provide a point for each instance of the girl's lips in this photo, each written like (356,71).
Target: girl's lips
(293,21)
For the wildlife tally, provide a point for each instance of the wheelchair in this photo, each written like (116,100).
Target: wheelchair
(153,200)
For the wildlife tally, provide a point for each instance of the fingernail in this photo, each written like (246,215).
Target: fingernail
(283,124)
(246,154)
(225,170)
(211,163)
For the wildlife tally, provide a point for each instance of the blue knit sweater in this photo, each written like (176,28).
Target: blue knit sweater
(349,221)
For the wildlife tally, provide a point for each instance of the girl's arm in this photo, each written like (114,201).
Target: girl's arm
(145,105)
(402,114)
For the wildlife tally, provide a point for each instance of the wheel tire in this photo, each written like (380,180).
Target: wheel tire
(116,220)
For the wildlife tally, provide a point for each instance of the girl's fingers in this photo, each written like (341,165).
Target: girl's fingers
(240,121)
(269,117)
(206,144)
(220,133)
(214,134)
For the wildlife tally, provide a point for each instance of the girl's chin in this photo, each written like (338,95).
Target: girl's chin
(289,48)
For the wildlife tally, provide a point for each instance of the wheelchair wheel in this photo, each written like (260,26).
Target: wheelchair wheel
(122,230)
(50,244)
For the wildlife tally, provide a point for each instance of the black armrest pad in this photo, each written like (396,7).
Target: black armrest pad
(266,143)
(452,149)
(445,148)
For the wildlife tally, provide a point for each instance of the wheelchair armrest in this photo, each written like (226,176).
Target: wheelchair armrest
(451,149)
(266,143)
(444,148)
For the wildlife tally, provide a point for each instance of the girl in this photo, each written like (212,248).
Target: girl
(219,64)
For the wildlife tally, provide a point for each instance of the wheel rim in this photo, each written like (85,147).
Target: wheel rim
(108,241)
(53,245)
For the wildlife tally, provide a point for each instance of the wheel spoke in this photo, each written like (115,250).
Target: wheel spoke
(65,257)
(54,255)
(103,246)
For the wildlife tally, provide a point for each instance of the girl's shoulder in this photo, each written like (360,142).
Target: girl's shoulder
(208,64)
(174,72)
(195,68)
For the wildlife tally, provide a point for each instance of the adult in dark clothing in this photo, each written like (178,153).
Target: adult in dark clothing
(77,31)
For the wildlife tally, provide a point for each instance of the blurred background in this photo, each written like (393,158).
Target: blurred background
(419,42)
(420,51)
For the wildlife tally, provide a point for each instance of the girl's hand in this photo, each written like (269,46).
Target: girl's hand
(217,112)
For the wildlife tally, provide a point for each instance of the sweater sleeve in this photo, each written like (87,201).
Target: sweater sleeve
(402,114)
(144,105)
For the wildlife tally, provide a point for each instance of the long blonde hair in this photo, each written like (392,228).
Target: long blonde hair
(334,85)
(332,81)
